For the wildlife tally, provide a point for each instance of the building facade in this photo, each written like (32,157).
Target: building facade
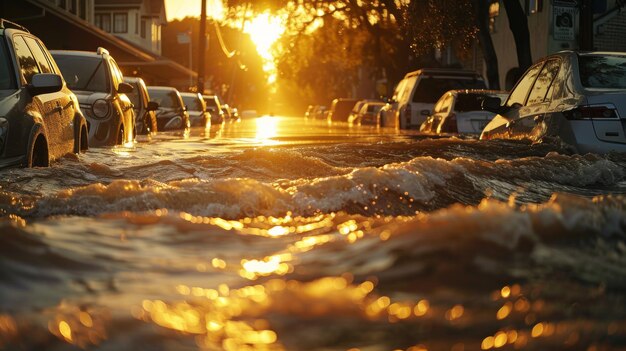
(137,21)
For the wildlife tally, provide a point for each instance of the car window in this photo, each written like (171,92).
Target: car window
(407,89)
(520,92)
(165,98)
(439,103)
(6,79)
(430,89)
(40,57)
(117,73)
(28,65)
(602,71)
(539,92)
(211,101)
(83,73)
(398,90)
(447,102)
(193,103)
(468,102)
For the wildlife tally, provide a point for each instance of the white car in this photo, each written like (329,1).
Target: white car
(459,111)
(579,97)
(415,95)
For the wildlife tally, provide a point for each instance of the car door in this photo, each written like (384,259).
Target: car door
(63,102)
(45,106)
(531,120)
(503,124)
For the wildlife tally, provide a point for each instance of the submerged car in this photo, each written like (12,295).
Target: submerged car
(145,110)
(459,111)
(172,113)
(214,107)
(195,105)
(340,109)
(40,119)
(370,113)
(99,85)
(579,97)
(416,94)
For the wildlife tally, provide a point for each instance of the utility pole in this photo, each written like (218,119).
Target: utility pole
(201,48)
(586,25)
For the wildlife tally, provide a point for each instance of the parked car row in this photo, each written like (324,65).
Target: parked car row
(578,97)
(62,101)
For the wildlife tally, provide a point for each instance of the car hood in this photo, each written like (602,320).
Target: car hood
(89,97)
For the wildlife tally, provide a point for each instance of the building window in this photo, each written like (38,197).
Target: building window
(136,22)
(120,23)
(494,11)
(143,28)
(82,11)
(72,7)
(103,21)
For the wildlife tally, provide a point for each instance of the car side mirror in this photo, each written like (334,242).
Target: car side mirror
(425,112)
(125,88)
(491,104)
(45,83)
(152,106)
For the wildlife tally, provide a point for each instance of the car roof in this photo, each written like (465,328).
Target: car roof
(158,87)
(189,94)
(444,72)
(477,91)
(132,79)
(76,53)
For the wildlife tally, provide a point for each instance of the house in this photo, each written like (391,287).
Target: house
(554,26)
(136,21)
(128,29)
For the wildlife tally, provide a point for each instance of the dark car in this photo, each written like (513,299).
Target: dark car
(340,109)
(172,113)
(145,110)
(214,107)
(40,119)
(99,85)
(196,108)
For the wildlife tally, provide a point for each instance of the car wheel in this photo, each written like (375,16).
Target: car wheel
(38,154)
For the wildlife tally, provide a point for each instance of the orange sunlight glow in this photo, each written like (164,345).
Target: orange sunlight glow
(265,30)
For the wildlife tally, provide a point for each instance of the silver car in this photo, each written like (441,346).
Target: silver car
(196,108)
(98,83)
(575,96)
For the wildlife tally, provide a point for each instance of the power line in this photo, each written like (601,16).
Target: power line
(227,52)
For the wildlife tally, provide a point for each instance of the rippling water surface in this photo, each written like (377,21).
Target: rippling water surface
(287,234)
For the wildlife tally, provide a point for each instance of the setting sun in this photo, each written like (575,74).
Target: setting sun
(265,30)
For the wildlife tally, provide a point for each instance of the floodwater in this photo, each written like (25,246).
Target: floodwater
(283,233)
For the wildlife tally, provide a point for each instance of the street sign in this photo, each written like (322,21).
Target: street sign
(183,38)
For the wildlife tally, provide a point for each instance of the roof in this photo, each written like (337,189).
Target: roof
(157,87)
(76,53)
(477,91)
(443,71)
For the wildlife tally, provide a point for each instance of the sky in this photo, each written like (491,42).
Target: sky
(178,9)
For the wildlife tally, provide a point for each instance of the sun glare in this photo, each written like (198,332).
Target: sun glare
(265,30)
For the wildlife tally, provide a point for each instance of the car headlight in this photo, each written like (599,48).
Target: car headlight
(100,108)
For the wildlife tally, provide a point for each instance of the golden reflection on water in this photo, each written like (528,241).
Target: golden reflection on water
(266,129)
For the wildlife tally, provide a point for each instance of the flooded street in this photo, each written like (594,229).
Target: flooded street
(281,233)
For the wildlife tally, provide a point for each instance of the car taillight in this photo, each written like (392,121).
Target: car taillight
(100,108)
(591,111)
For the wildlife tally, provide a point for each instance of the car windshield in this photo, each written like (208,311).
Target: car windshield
(469,102)
(83,73)
(165,98)
(603,71)
(429,90)
(5,72)
(192,103)
(211,102)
